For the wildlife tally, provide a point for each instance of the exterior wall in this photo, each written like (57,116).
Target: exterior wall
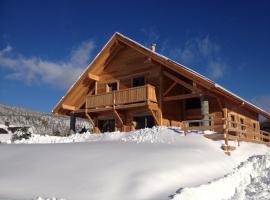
(129,64)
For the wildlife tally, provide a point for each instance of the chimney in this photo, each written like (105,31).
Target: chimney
(153,47)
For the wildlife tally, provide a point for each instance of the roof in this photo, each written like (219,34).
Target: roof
(169,63)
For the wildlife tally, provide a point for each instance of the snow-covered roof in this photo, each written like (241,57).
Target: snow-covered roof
(150,52)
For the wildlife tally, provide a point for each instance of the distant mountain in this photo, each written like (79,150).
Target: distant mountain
(42,123)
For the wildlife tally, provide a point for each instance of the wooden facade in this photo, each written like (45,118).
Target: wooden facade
(129,86)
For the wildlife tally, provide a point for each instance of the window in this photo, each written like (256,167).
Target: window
(254,126)
(112,87)
(139,81)
(193,103)
(233,123)
(242,124)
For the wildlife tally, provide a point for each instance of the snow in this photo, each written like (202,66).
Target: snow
(144,164)
(249,181)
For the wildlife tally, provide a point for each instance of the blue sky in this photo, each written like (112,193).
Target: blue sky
(44,45)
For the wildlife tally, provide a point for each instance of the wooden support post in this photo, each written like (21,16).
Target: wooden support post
(96,87)
(73,122)
(225,118)
(161,80)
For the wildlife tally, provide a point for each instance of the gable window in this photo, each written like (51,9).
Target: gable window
(138,81)
(111,87)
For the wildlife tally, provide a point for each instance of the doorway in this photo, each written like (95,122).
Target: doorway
(107,125)
(144,122)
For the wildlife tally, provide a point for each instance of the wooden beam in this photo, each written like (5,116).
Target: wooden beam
(169,89)
(181,97)
(179,81)
(154,115)
(118,117)
(93,77)
(96,87)
(90,119)
(68,107)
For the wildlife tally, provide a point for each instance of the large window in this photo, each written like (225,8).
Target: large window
(138,81)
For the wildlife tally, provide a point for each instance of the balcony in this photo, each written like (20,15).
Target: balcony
(130,97)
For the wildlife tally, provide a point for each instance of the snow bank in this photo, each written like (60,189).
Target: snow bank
(145,164)
(237,185)
(148,135)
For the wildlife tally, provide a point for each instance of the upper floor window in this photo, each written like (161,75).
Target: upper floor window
(254,125)
(138,81)
(233,121)
(242,122)
(111,87)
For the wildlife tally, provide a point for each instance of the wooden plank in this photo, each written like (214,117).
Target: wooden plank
(68,107)
(93,77)
(181,97)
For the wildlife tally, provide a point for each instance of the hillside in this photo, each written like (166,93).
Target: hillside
(42,123)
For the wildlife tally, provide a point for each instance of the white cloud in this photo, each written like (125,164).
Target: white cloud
(202,52)
(32,70)
(5,50)
(263,102)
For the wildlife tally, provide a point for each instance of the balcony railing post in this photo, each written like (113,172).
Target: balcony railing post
(147,91)
(113,98)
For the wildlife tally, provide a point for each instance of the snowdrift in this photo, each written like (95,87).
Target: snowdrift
(250,180)
(144,164)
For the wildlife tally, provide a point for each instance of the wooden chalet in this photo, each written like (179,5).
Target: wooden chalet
(128,86)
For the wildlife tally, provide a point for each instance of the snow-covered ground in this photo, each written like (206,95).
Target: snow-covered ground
(157,163)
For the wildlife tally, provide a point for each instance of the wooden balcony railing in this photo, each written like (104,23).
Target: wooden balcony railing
(121,97)
(236,130)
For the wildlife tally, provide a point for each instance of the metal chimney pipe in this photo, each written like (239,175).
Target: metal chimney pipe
(153,47)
